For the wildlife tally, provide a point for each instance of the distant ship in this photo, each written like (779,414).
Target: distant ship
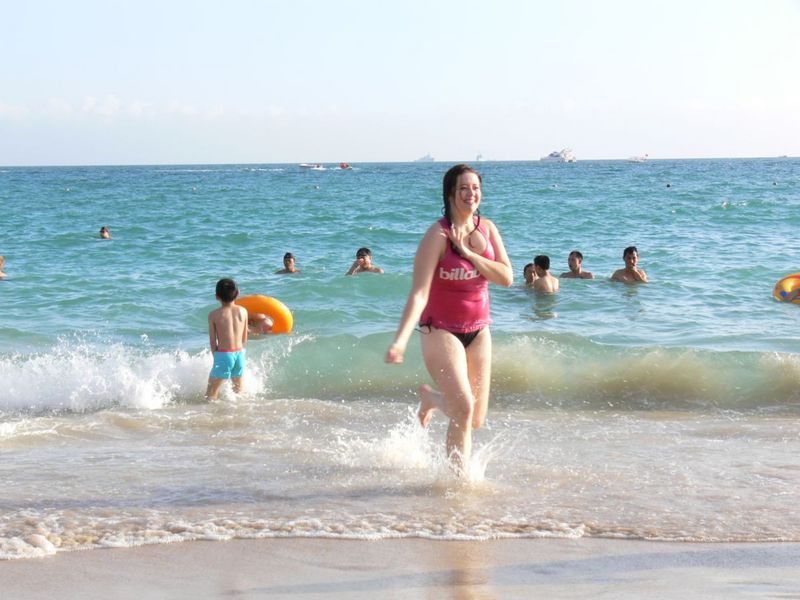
(479,158)
(638,159)
(565,156)
(426,158)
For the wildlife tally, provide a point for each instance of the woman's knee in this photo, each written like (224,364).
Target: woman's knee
(462,412)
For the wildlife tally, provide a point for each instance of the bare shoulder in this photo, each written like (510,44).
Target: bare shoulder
(490,225)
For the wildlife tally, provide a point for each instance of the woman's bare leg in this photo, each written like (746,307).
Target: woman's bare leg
(446,362)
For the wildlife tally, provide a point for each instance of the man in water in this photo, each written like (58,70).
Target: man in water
(575,262)
(363,263)
(529,274)
(288,265)
(631,273)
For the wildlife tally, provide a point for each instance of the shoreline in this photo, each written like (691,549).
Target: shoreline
(410,568)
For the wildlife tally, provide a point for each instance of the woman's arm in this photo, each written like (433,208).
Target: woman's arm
(497,271)
(429,252)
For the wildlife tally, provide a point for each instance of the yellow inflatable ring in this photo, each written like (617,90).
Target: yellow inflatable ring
(786,285)
(272,307)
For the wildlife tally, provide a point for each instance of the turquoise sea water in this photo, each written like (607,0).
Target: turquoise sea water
(665,411)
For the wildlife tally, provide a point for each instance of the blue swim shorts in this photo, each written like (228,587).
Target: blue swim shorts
(228,365)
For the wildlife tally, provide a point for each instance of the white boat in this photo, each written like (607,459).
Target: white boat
(426,158)
(312,166)
(638,159)
(565,156)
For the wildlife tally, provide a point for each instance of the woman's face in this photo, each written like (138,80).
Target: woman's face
(467,194)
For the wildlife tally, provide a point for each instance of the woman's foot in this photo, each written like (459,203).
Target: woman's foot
(428,402)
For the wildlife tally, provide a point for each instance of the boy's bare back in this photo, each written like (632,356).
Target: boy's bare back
(227,327)
(546,283)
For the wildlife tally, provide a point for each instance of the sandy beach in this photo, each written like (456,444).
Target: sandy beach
(411,568)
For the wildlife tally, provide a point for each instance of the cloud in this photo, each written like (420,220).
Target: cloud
(12,111)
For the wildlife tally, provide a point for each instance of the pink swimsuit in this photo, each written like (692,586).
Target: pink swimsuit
(459,296)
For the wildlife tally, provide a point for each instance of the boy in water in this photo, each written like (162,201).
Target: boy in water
(575,262)
(363,263)
(631,273)
(545,282)
(227,335)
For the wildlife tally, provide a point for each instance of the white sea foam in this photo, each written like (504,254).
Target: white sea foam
(83,378)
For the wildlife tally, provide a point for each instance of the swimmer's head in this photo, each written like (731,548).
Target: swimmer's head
(288,259)
(542,261)
(529,273)
(363,253)
(575,260)
(227,290)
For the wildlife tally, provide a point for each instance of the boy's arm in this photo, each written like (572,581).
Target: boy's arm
(212,332)
(245,328)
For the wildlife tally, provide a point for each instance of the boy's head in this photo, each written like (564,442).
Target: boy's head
(542,261)
(288,259)
(227,290)
(629,250)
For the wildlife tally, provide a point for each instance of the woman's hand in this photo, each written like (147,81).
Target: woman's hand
(394,354)
(459,239)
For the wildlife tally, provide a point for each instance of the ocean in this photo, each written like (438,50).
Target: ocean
(666,411)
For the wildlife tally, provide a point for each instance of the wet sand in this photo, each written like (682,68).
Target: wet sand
(410,568)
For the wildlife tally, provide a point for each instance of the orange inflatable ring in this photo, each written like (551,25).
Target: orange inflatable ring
(272,307)
(786,285)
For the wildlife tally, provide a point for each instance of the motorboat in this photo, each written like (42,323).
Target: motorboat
(564,156)
(344,166)
(312,166)
(638,159)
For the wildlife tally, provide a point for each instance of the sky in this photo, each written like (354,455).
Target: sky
(245,81)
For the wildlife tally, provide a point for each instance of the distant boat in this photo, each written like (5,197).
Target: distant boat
(345,166)
(565,156)
(426,158)
(315,166)
(638,159)
(479,158)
